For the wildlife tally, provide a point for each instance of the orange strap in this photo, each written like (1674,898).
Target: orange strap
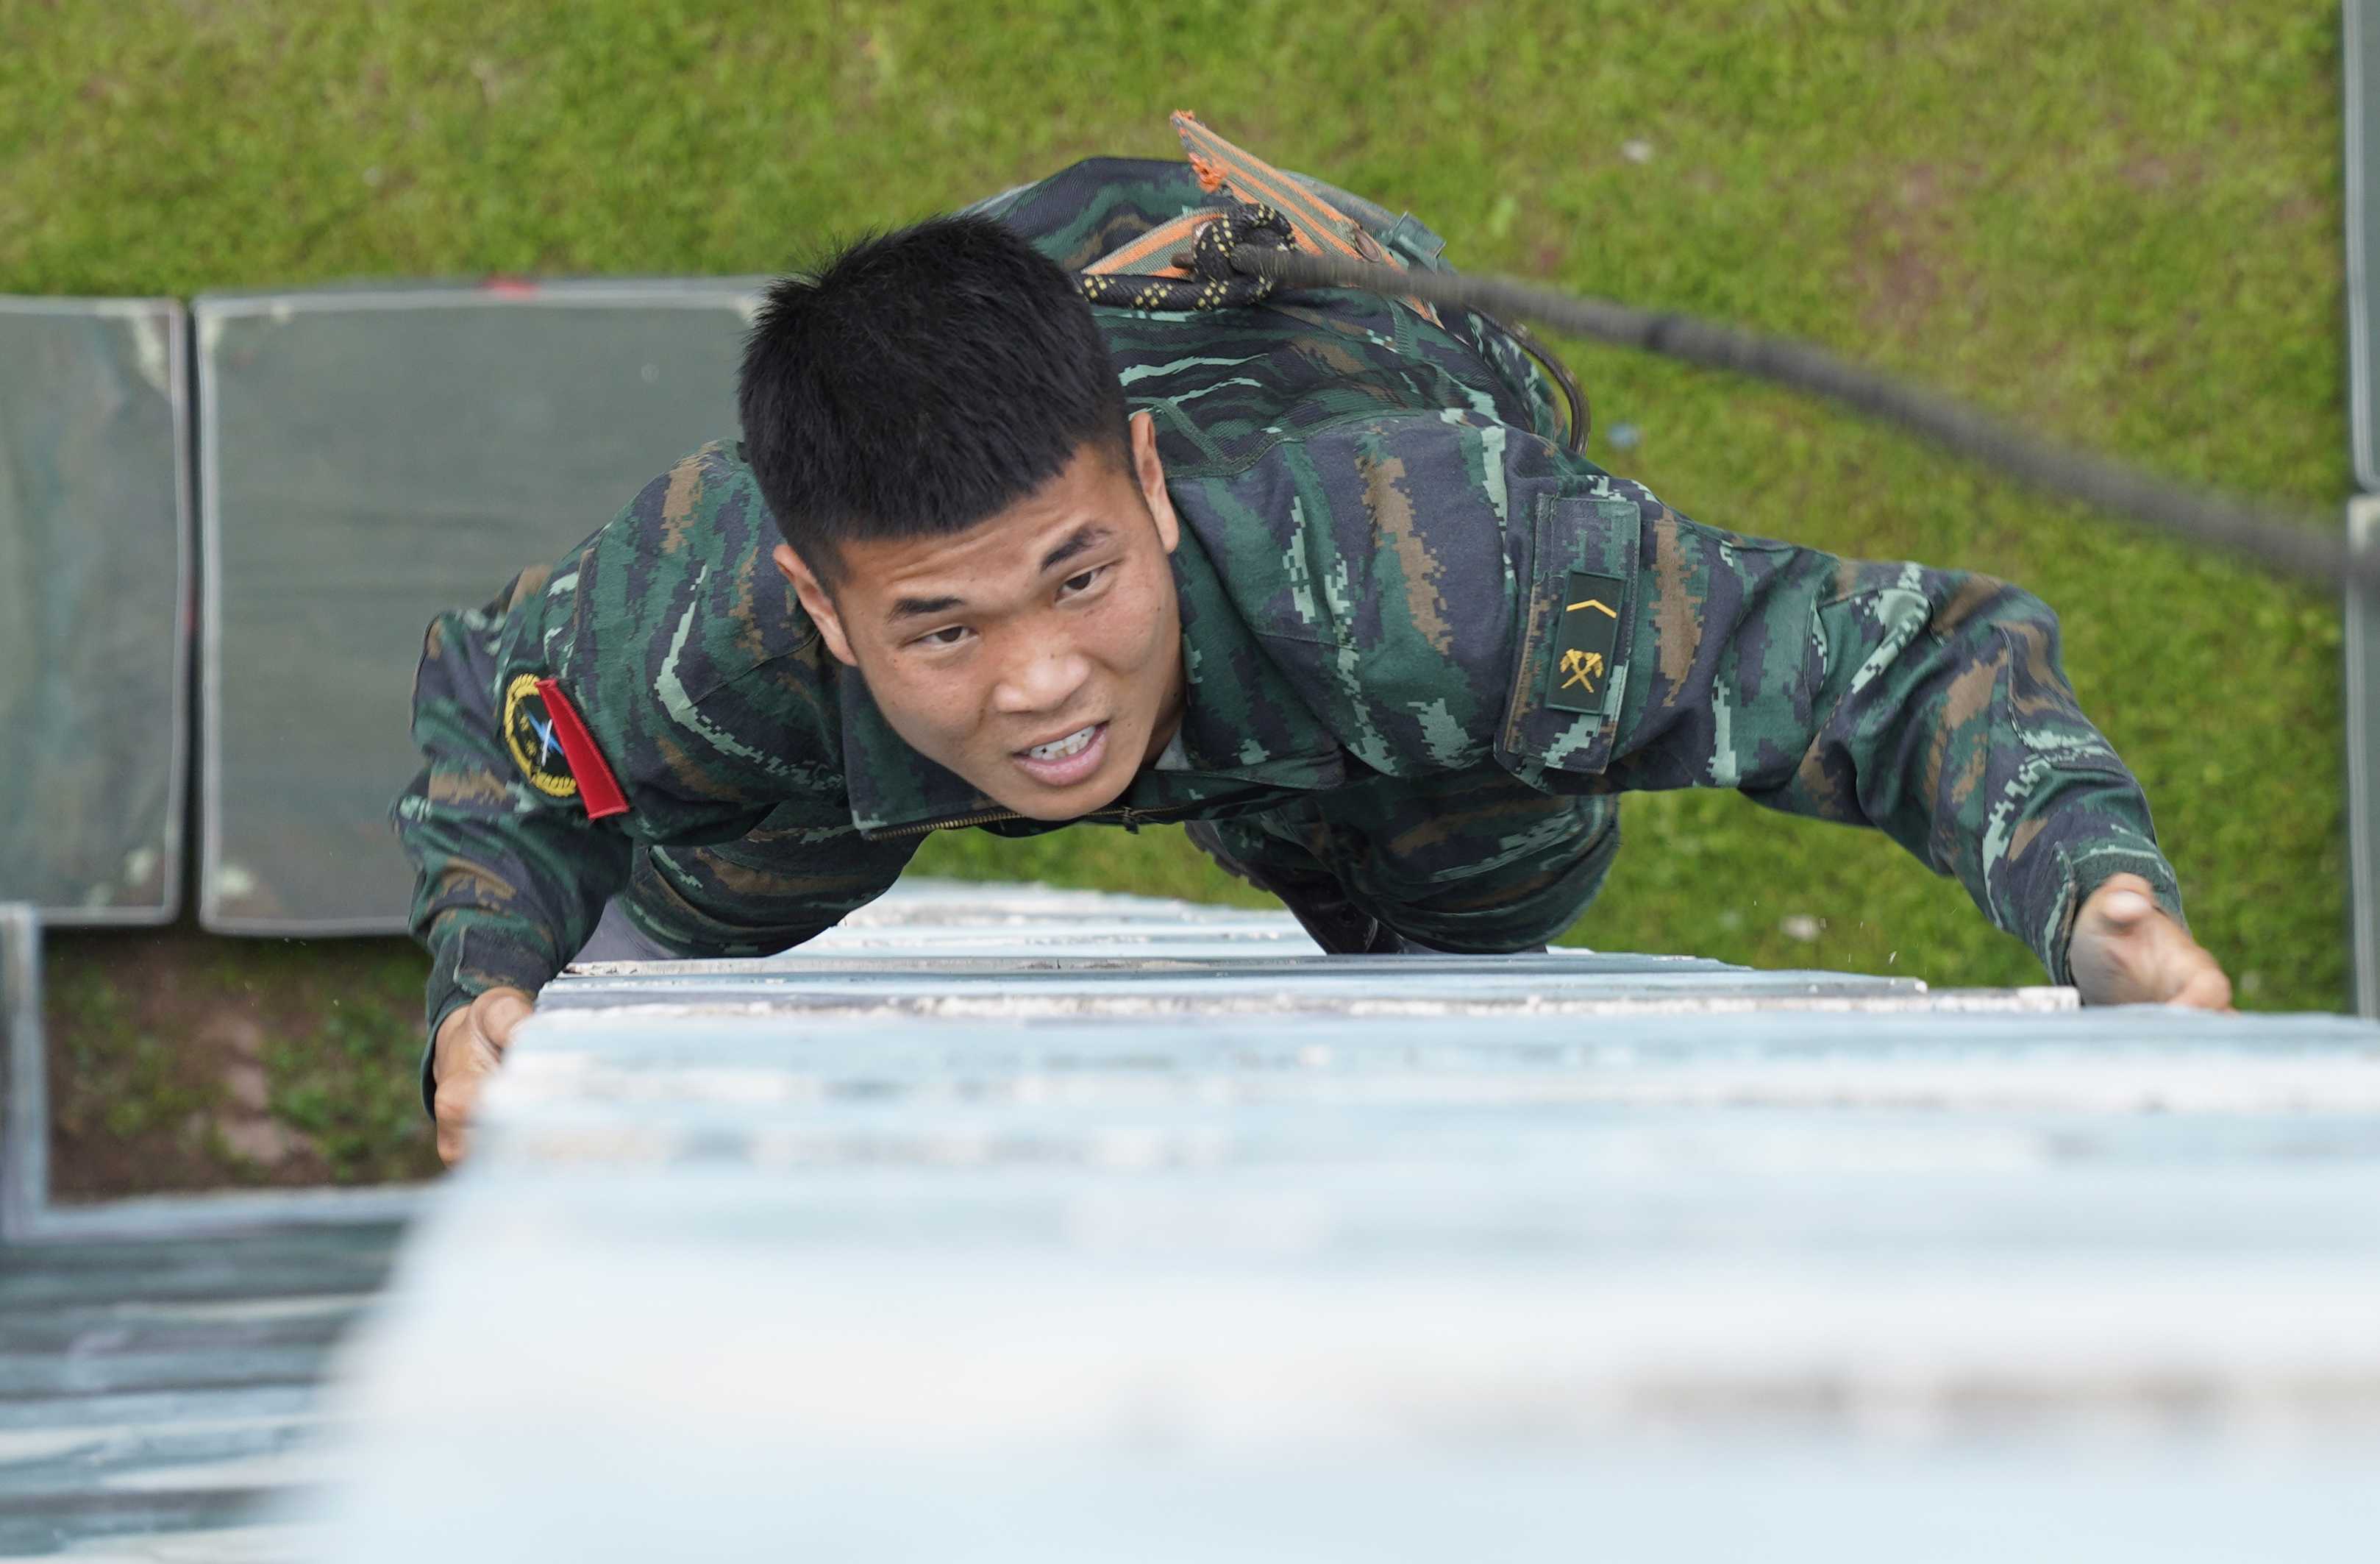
(1224,169)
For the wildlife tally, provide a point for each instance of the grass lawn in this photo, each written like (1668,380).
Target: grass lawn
(2121,225)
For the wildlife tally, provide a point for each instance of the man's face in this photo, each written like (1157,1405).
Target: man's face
(1037,654)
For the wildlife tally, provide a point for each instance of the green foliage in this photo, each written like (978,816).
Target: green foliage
(1154,860)
(182,1060)
(351,1089)
(122,1081)
(2119,225)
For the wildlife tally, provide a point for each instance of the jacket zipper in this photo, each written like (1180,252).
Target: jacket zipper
(1122,817)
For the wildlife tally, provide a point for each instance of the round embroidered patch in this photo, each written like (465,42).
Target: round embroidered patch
(537,749)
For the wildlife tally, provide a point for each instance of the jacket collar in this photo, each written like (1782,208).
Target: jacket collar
(1243,729)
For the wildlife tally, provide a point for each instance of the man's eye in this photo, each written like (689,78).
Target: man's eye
(949,635)
(1074,584)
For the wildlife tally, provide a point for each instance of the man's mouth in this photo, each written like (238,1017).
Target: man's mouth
(1067,759)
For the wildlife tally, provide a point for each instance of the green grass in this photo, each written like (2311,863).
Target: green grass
(126,1083)
(350,1088)
(2119,226)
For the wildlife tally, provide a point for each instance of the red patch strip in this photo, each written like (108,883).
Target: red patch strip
(598,788)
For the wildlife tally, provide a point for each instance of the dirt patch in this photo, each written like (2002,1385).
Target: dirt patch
(2148,174)
(1905,261)
(180,1060)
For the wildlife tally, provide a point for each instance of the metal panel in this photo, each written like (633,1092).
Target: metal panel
(24,1101)
(2362,60)
(95,588)
(155,1396)
(1121,1245)
(2363,758)
(369,458)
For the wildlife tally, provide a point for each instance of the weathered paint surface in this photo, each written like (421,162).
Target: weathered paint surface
(155,1396)
(94,574)
(1190,1255)
(369,458)
(2363,652)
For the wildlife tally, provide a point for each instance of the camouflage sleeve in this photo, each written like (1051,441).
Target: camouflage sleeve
(1929,703)
(705,697)
(509,881)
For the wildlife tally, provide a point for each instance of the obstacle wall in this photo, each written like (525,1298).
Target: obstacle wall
(276,492)
(94,595)
(367,459)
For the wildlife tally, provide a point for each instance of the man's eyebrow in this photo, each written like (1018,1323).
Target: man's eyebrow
(920,607)
(1090,534)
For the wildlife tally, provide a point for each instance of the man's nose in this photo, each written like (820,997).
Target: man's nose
(1042,674)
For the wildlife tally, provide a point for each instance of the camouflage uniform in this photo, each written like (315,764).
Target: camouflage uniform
(1424,646)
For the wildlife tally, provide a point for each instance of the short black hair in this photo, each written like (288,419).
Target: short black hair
(919,382)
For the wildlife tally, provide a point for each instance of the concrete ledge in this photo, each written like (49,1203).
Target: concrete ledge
(1009,1227)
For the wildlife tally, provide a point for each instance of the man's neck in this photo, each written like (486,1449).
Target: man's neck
(1169,723)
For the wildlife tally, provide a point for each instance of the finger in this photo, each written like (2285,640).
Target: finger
(496,1014)
(459,1099)
(454,1126)
(2126,908)
(2207,988)
(2124,899)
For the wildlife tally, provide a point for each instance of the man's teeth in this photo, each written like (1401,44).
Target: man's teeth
(1059,749)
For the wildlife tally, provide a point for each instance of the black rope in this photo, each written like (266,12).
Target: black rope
(2276,540)
(1242,230)
(2283,542)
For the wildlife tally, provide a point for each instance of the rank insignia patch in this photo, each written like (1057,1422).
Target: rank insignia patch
(1589,628)
(537,749)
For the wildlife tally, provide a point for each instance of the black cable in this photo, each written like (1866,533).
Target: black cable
(2281,542)
(1582,418)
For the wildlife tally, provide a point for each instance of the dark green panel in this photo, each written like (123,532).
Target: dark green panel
(92,583)
(369,460)
(2363,758)
(2362,62)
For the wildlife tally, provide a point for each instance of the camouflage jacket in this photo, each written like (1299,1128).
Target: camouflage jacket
(1390,570)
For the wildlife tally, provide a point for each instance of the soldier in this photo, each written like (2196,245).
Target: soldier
(1316,576)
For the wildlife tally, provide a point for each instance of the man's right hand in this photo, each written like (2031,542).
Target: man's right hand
(471,1043)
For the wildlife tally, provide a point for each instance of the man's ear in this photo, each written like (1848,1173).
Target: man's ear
(1149,469)
(816,602)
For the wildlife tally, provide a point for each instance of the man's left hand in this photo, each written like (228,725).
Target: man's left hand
(2127,951)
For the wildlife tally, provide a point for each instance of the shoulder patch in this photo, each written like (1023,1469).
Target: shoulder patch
(529,734)
(1578,678)
(550,744)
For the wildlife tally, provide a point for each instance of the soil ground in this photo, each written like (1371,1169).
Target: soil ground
(182,1060)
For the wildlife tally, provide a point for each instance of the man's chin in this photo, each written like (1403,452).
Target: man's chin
(1035,801)
(1060,803)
